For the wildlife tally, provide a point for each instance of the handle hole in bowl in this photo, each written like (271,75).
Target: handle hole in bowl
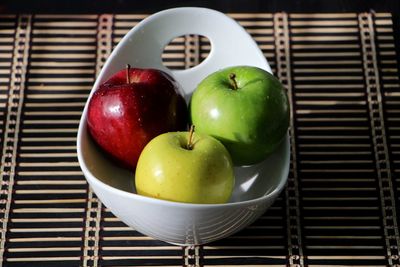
(186,51)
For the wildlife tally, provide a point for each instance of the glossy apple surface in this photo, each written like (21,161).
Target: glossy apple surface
(123,117)
(168,170)
(244,107)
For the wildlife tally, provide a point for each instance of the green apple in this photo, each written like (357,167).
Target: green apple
(184,167)
(244,107)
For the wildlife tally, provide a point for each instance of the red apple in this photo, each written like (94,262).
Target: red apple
(131,108)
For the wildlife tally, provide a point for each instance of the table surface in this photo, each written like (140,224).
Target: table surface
(339,208)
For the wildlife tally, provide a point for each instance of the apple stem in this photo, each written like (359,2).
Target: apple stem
(190,141)
(128,78)
(232,77)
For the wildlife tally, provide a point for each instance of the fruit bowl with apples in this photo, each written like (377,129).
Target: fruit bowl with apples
(135,150)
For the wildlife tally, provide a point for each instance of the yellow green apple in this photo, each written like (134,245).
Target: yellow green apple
(185,167)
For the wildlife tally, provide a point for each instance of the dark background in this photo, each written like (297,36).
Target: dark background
(150,6)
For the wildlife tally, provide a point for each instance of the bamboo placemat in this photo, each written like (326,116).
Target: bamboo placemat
(339,207)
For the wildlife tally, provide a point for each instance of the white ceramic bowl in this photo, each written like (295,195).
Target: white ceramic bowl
(256,187)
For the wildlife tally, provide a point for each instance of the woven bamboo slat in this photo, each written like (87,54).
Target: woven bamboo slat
(340,206)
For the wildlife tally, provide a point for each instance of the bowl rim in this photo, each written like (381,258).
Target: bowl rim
(134,196)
